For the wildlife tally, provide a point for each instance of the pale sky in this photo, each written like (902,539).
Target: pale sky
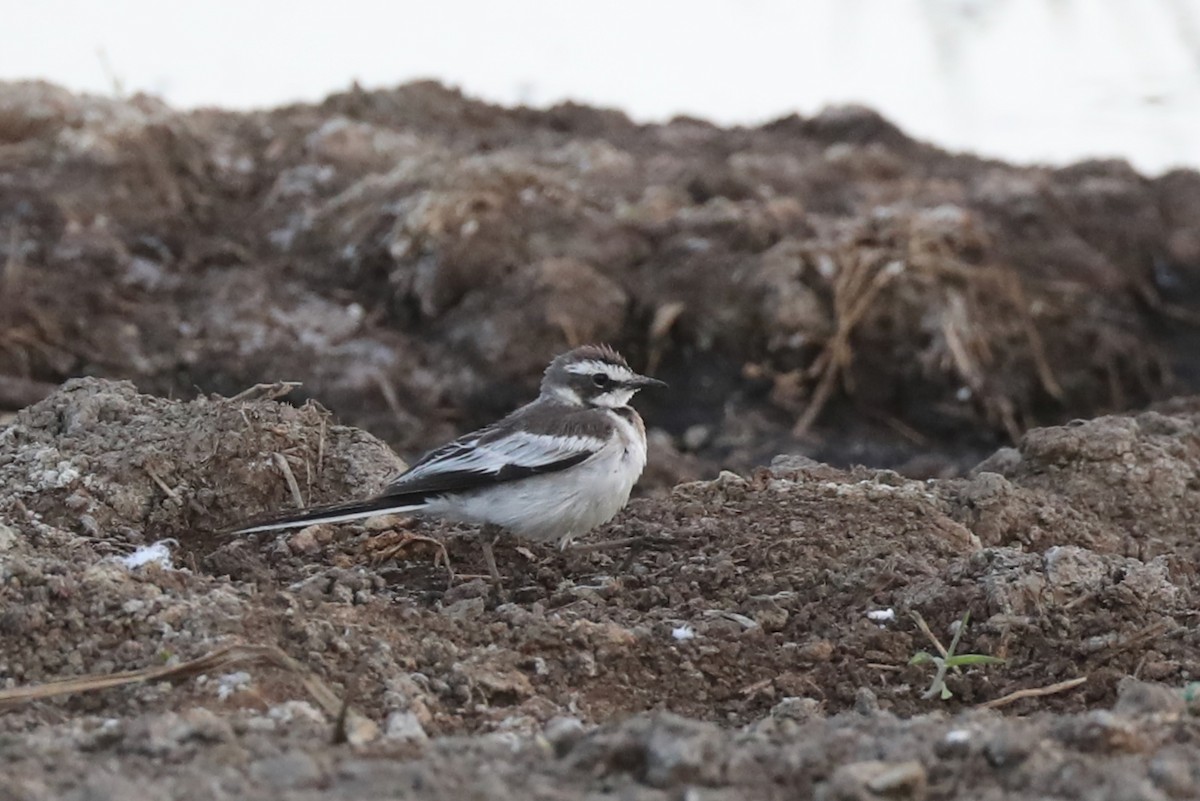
(1025,80)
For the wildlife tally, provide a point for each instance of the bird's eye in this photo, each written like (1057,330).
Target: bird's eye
(601,379)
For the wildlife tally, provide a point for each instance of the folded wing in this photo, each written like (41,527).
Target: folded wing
(490,457)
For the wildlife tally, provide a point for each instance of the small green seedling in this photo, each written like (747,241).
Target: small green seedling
(951,660)
(1191,696)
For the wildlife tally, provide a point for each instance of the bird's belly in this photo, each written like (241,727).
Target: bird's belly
(558,506)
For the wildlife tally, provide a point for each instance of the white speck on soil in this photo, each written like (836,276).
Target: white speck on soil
(684,632)
(158,553)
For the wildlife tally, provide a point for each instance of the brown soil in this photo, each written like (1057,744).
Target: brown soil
(414,257)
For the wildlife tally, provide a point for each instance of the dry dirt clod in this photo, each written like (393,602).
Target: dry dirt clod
(866,781)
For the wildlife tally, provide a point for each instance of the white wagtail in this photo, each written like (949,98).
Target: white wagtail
(551,470)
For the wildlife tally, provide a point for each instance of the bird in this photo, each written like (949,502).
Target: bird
(551,470)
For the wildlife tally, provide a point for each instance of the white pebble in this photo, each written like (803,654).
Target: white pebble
(684,632)
(158,553)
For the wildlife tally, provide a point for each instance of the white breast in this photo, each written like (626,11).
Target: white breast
(563,505)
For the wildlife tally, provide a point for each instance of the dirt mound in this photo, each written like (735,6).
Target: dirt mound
(415,257)
(98,455)
(780,603)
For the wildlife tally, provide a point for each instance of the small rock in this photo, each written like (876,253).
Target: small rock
(387,522)
(681,751)
(107,734)
(766,612)
(76,502)
(104,786)
(866,703)
(289,770)
(359,729)
(900,780)
(1101,731)
(1136,698)
(163,734)
(342,594)
(1006,750)
(133,606)
(1005,462)
(1171,772)
(8,537)
(496,684)
(864,781)
(662,750)
(956,744)
(404,726)
(796,708)
(290,711)
(229,684)
(562,733)
(304,541)
(258,723)
(22,619)
(792,462)
(477,588)
(729,482)
(815,651)
(464,609)
(206,726)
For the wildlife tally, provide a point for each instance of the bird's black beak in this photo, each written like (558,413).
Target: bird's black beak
(643,381)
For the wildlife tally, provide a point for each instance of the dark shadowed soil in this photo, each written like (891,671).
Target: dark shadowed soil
(823,288)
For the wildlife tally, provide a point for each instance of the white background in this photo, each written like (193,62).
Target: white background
(1025,80)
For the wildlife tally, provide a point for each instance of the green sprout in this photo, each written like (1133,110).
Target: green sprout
(949,660)
(1191,695)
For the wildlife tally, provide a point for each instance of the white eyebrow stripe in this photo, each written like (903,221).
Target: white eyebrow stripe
(588,366)
(620,372)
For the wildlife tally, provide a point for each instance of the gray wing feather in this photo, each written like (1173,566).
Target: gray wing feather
(492,456)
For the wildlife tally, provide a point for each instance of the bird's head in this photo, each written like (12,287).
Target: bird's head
(593,375)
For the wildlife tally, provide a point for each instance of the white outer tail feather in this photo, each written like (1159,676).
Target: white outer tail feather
(333,517)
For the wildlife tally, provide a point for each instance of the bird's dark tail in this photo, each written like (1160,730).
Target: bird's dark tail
(333,513)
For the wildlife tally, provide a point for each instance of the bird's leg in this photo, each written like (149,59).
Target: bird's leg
(488,536)
(395,548)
